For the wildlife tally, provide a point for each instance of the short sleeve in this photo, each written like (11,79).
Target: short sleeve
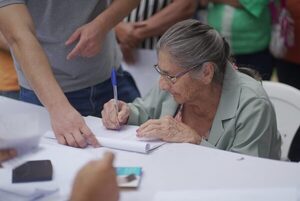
(255,7)
(9,2)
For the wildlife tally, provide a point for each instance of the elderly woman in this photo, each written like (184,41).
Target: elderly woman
(201,98)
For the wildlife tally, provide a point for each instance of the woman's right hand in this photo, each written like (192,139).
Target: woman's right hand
(113,119)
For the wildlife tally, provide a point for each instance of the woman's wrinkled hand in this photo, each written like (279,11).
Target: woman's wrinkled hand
(113,119)
(169,130)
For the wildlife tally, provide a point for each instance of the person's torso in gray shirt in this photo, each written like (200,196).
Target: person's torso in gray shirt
(55,21)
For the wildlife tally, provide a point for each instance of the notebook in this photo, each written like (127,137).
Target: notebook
(123,139)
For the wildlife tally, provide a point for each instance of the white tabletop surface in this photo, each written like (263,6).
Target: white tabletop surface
(171,167)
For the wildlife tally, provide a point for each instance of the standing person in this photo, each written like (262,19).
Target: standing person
(288,68)
(145,24)
(64,52)
(9,85)
(246,25)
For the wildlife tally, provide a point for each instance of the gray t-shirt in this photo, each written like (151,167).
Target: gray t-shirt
(55,21)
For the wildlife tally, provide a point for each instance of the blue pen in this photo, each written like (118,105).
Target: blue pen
(115,90)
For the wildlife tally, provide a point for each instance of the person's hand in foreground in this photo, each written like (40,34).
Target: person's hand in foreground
(112,119)
(168,129)
(96,181)
(70,128)
(6,154)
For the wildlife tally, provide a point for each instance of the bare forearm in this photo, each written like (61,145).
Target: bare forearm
(116,13)
(37,70)
(20,35)
(176,11)
(3,43)
(234,3)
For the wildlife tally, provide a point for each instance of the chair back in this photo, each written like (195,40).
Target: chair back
(286,101)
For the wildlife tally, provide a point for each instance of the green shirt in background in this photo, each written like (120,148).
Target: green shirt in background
(247,29)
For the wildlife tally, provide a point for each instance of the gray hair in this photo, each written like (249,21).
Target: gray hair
(191,43)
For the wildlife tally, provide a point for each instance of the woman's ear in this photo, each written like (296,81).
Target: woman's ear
(208,71)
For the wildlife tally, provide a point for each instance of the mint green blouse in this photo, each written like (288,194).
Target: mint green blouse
(245,120)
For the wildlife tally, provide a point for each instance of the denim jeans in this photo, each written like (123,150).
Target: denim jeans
(10,94)
(90,100)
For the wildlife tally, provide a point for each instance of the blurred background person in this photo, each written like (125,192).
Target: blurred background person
(145,24)
(288,68)
(246,25)
(9,85)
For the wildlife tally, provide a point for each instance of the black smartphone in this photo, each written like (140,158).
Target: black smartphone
(39,170)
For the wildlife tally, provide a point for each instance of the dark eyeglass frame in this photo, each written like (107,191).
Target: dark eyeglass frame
(173,78)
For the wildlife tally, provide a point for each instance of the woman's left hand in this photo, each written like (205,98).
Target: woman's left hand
(169,130)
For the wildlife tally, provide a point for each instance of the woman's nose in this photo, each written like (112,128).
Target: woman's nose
(164,84)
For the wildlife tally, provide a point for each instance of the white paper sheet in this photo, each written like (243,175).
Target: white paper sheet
(19,131)
(23,191)
(266,194)
(66,163)
(124,139)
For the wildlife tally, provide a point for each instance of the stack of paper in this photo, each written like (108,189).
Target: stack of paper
(24,191)
(19,131)
(124,139)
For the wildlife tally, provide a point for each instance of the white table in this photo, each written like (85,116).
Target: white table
(170,167)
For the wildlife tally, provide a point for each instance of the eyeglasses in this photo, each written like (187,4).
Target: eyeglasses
(173,78)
